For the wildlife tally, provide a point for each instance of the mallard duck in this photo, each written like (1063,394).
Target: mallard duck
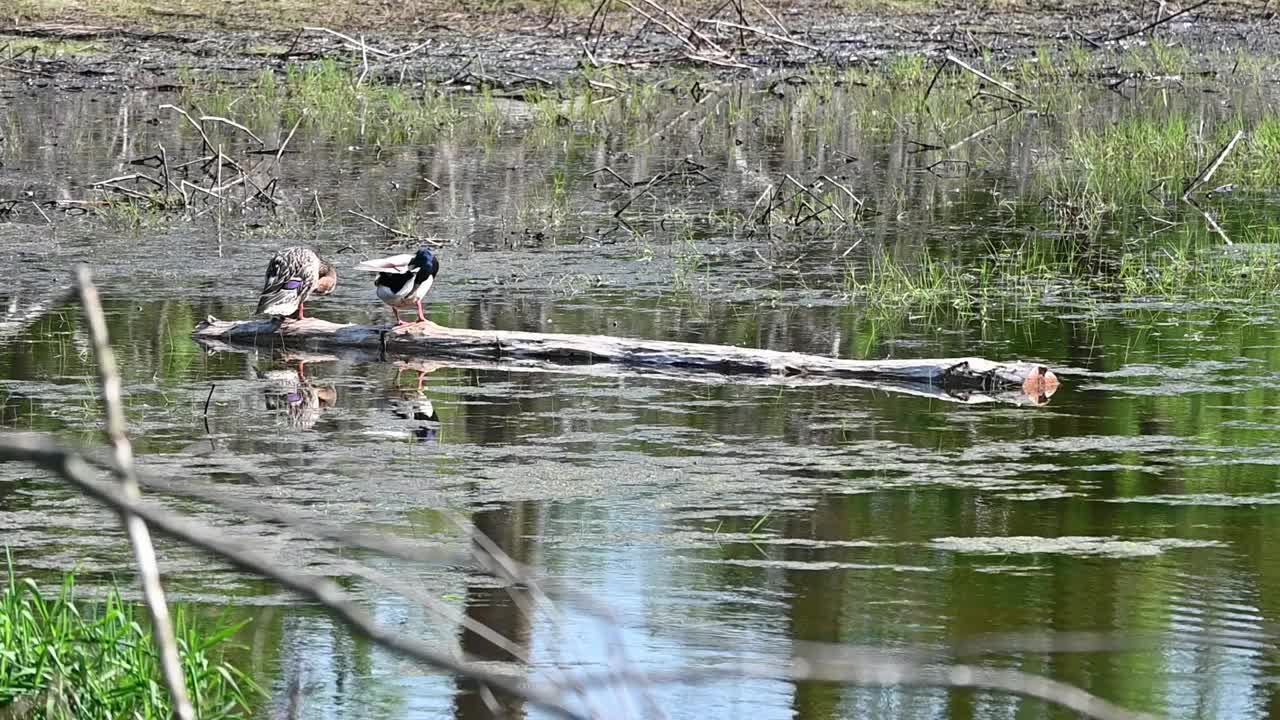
(293,275)
(403,280)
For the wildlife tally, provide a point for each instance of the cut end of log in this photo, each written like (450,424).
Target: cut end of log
(1040,385)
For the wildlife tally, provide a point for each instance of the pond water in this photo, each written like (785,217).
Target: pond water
(720,522)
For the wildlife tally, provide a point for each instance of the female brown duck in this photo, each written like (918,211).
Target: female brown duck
(292,276)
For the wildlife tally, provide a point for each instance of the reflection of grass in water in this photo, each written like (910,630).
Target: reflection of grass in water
(1192,269)
(63,659)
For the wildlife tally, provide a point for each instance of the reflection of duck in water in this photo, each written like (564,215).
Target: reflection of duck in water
(302,401)
(415,406)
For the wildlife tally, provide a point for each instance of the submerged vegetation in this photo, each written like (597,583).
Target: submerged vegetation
(62,657)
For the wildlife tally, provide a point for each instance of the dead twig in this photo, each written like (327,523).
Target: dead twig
(815,662)
(609,170)
(356,44)
(1003,86)
(774,18)
(686,25)
(285,144)
(126,178)
(381,224)
(364,62)
(430,241)
(762,33)
(139,536)
(717,61)
(40,210)
(1213,224)
(1213,166)
(194,123)
(981,131)
(164,174)
(1157,22)
(670,30)
(232,123)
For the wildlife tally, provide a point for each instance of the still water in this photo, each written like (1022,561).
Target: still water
(720,523)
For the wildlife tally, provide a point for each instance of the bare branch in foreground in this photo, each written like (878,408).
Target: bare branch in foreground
(356,44)
(811,662)
(832,663)
(73,468)
(139,537)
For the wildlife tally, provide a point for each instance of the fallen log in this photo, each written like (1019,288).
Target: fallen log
(967,380)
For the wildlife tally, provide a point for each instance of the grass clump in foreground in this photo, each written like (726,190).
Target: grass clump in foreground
(63,659)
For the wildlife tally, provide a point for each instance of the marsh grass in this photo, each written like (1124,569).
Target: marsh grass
(1159,57)
(1192,268)
(1143,160)
(65,658)
(18,46)
(327,96)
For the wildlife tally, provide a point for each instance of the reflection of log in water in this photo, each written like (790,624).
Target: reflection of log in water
(19,309)
(968,380)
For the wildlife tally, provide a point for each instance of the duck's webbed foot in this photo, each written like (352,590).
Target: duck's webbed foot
(399,322)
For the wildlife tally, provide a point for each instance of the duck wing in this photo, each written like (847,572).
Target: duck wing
(393,264)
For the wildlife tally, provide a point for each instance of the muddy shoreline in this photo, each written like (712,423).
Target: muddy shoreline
(516,51)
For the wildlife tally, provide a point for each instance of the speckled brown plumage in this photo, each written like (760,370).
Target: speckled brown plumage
(292,276)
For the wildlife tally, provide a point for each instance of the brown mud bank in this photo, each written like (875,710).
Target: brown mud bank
(513,44)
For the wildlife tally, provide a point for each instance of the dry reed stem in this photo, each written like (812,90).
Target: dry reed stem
(139,536)
(357,44)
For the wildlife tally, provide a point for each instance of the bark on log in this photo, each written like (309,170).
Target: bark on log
(422,345)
